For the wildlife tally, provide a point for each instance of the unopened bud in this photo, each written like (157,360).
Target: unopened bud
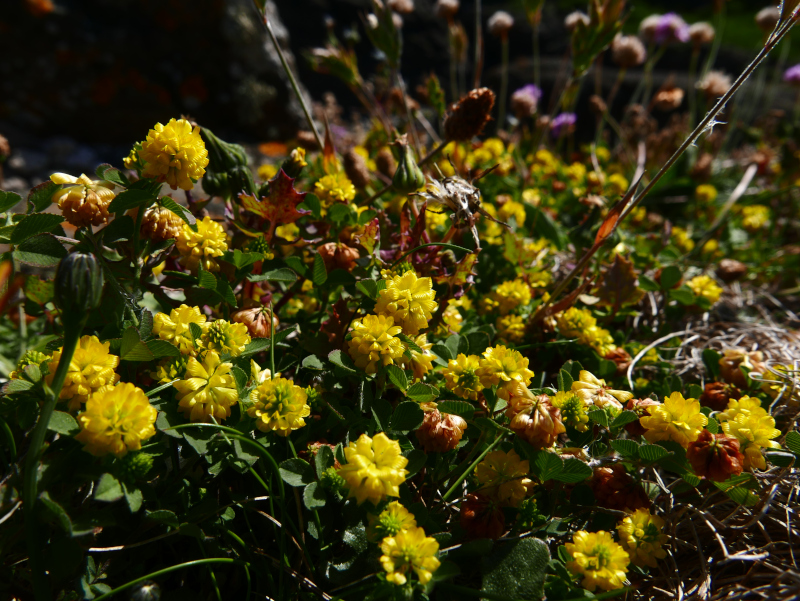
(408,177)
(78,285)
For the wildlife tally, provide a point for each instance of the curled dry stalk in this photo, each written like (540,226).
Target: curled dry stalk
(621,209)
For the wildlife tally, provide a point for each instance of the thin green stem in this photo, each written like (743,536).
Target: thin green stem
(409,118)
(501,119)
(468,471)
(271,341)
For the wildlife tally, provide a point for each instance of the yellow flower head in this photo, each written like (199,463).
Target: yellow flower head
(616,184)
(704,287)
(677,419)
(267,171)
(532,196)
(682,239)
(203,246)
(375,468)
(29,358)
(225,337)
(511,209)
(575,322)
(511,295)
(279,405)
(754,428)
(452,320)
(755,217)
(641,535)
(174,153)
(170,368)
(503,476)
(420,363)
(409,300)
(593,391)
(91,369)
(501,364)
(208,389)
(595,556)
(706,193)
(395,518)
(175,328)
(116,420)
(409,550)
(334,188)
(573,410)
(461,376)
(84,201)
(511,328)
(374,339)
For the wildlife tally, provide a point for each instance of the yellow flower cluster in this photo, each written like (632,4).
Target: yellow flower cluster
(419,363)
(702,286)
(506,367)
(409,300)
(334,188)
(573,410)
(706,193)
(174,153)
(279,406)
(224,337)
(203,246)
(755,217)
(641,535)
(682,239)
(754,428)
(510,328)
(503,477)
(677,419)
(91,370)
(374,340)
(375,468)
(29,358)
(508,296)
(116,420)
(391,520)
(409,550)
(461,376)
(598,559)
(208,389)
(594,391)
(581,324)
(175,328)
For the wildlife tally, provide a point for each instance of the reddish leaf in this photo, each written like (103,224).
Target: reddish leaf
(617,286)
(329,163)
(281,204)
(369,236)
(463,273)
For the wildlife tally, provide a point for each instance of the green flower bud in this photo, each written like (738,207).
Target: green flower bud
(408,177)
(78,286)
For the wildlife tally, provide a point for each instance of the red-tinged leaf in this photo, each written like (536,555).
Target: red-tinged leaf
(566,302)
(618,285)
(369,235)
(463,273)
(329,162)
(419,226)
(405,229)
(610,222)
(281,204)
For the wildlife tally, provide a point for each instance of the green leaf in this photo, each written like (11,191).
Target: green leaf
(225,291)
(180,211)
(416,461)
(8,200)
(296,263)
(296,472)
(459,408)
(342,360)
(162,348)
(206,279)
(547,465)
(112,174)
(669,277)
(369,288)
(409,342)
(442,351)
(63,423)
(781,458)
(108,489)
(163,516)
(16,386)
(652,452)
(133,496)
(564,380)
(599,416)
(711,360)
(406,417)
(397,377)
(130,199)
(197,332)
(478,342)
(323,460)
(319,275)
(453,344)
(626,448)
(648,284)
(421,392)
(312,362)
(41,251)
(314,496)
(574,471)
(284,274)
(516,570)
(713,426)
(37,223)
(56,512)
(683,295)
(132,348)
(311,203)
(41,196)
(624,418)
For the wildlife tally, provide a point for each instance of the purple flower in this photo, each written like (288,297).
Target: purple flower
(792,75)
(525,101)
(563,124)
(671,28)
(531,90)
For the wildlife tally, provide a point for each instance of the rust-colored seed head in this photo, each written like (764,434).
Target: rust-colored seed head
(91,210)
(439,433)
(159,224)
(337,255)
(639,407)
(482,518)
(356,169)
(597,105)
(614,488)
(668,99)
(717,394)
(621,358)
(256,319)
(730,270)
(385,163)
(715,456)
(540,424)
(467,117)
(628,51)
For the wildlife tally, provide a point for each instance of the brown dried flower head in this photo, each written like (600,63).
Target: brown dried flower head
(159,224)
(540,424)
(702,168)
(447,9)
(467,117)
(730,270)
(500,23)
(572,19)
(385,162)
(256,318)
(715,84)
(355,167)
(597,105)
(481,517)
(84,201)
(404,7)
(668,99)
(628,51)
(338,256)
(614,488)
(767,18)
(701,33)
(5,148)
(439,432)
(733,359)
(715,456)
(639,407)
(621,358)
(717,394)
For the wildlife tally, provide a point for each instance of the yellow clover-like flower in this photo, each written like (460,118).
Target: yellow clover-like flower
(175,327)
(333,188)
(511,328)
(503,477)
(501,365)
(91,369)
(208,389)
(374,339)
(279,406)
(594,391)
(225,337)
(116,420)
(755,217)
(511,295)
(677,419)
(513,209)
(461,376)
(409,300)
(203,246)
(375,468)
(30,357)
(83,201)
(754,428)
(406,551)
(595,556)
(641,535)
(419,363)
(395,518)
(573,410)
(174,153)
(706,193)
(703,286)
